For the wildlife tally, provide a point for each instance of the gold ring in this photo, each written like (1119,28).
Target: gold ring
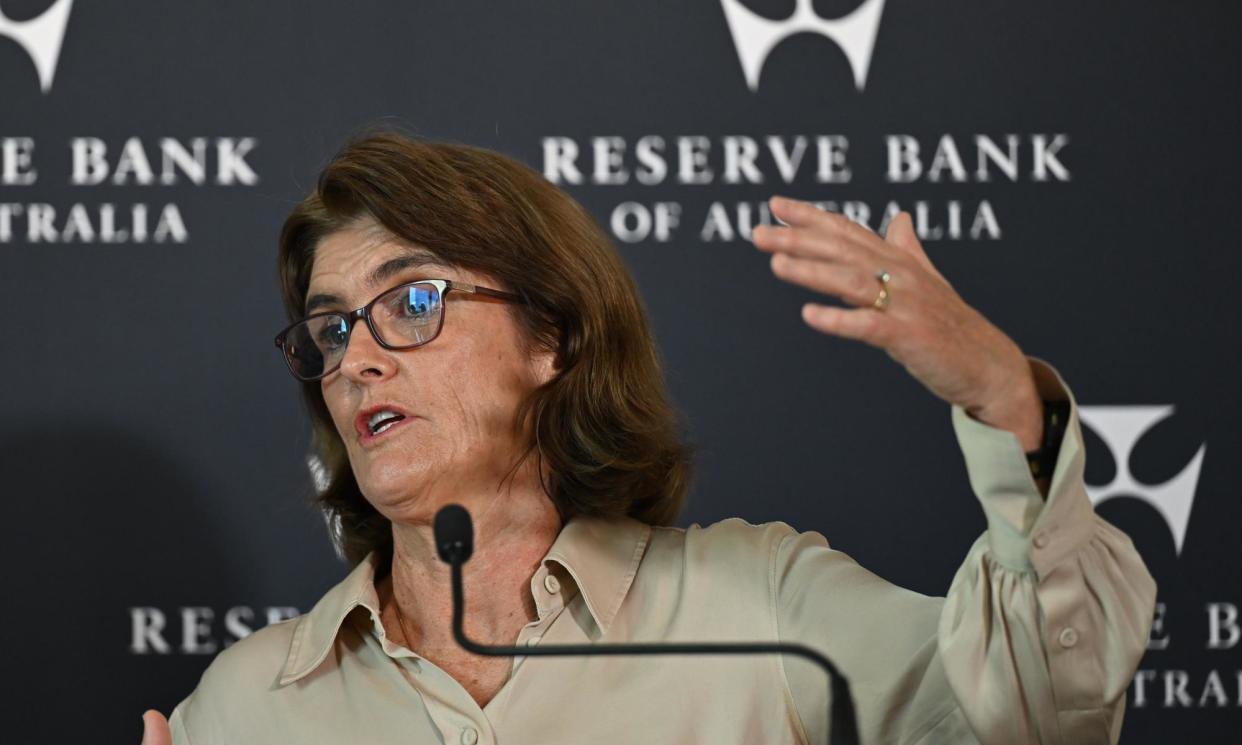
(881,301)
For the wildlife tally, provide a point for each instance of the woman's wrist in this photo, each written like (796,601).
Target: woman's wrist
(1020,412)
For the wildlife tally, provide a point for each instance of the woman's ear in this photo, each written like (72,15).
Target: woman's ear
(543,365)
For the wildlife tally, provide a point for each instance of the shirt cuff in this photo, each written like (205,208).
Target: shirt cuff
(1001,477)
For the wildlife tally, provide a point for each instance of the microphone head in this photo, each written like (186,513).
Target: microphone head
(454,534)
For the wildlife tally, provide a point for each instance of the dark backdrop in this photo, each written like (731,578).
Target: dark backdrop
(153,455)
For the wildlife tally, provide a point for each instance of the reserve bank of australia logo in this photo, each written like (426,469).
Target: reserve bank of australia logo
(41,38)
(1121,427)
(755,36)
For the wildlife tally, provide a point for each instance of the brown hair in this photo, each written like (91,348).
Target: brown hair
(603,425)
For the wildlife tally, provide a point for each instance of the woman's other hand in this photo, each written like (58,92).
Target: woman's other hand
(155,729)
(944,343)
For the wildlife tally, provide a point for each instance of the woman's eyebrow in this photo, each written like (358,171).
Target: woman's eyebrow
(380,274)
(321,300)
(416,258)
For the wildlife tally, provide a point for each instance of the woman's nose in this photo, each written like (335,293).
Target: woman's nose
(364,358)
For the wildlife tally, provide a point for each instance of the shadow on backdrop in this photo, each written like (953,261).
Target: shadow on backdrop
(102,522)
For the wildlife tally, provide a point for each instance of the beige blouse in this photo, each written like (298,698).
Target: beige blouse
(1036,642)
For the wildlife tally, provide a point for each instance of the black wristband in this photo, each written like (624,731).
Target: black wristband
(1056,419)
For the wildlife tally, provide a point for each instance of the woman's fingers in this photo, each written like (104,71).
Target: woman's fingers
(799,214)
(812,233)
(807,216)
(829,253)
(846,282)
(804,243)
(925,326)
(849,323)
(902,235)
(155,729)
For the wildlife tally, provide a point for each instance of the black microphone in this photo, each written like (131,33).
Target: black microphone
(454,535)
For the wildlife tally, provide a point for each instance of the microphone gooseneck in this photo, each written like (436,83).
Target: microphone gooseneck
(454,536)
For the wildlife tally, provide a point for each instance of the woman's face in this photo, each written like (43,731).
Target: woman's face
(458,394)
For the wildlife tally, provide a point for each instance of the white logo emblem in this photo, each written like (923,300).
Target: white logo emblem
(1120,427)
(755,36)
(41,38)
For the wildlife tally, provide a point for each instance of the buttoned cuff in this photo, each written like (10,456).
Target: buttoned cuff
(1001,477)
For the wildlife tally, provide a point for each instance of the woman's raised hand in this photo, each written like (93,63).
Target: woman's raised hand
(155,729)
(944,343)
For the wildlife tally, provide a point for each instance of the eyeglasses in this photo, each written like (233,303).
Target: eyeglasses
(407,316)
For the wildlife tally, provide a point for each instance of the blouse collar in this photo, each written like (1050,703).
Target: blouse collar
(600,555)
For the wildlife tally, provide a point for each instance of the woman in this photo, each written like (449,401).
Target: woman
(465,333)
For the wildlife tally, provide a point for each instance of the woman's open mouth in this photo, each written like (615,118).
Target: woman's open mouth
(375,422)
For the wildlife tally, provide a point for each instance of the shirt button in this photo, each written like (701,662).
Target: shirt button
(469,736)
(1069,637)
(1041,540)
(552,584)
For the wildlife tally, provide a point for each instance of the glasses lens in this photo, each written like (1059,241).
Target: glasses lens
(316,344)
(408,316)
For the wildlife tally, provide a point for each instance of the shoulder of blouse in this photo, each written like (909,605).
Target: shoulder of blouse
(723,547)
(239,674)
(732,558)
